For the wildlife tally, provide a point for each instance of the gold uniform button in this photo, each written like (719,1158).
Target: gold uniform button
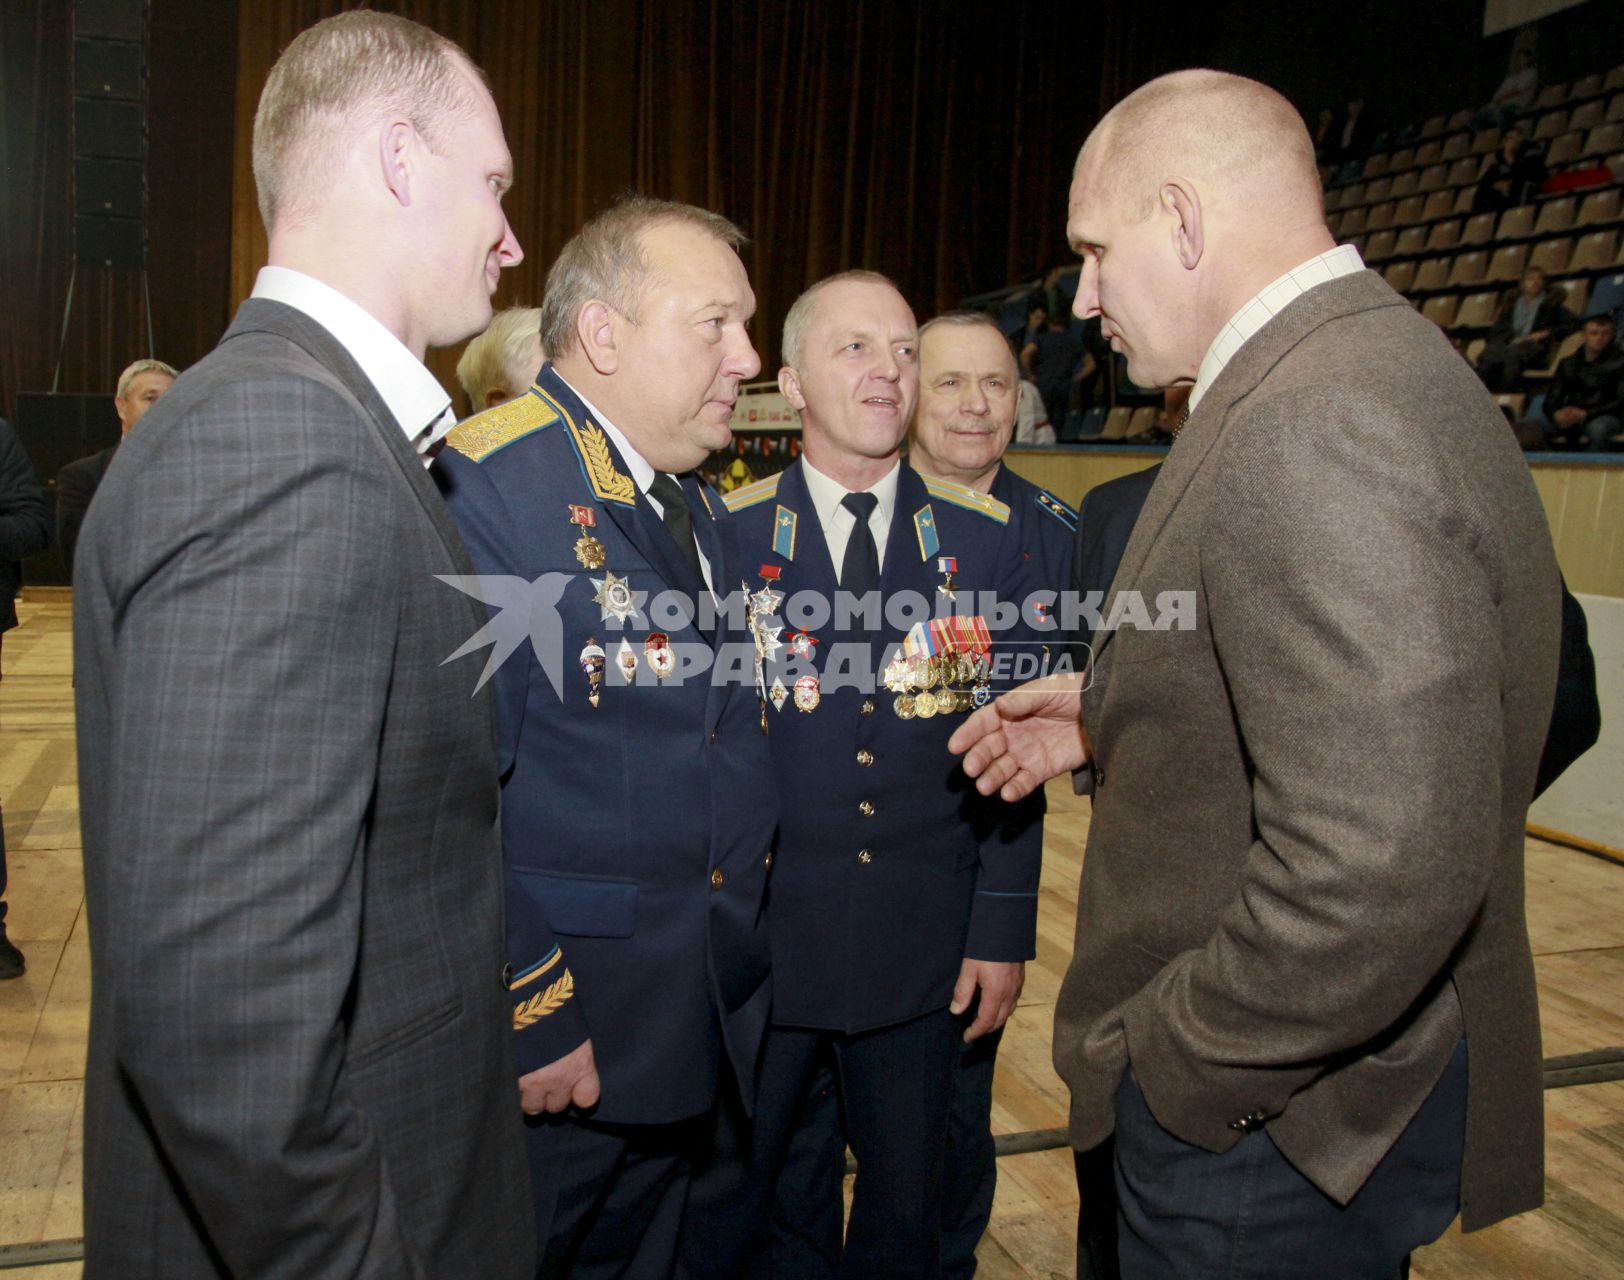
(868,706)
(769,861)
(866,808)
(717,878)
(865,758)
(865,857)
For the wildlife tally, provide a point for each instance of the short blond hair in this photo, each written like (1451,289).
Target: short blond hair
(605,260)
(793,346)
(136,370)
(501,356)
(354,65)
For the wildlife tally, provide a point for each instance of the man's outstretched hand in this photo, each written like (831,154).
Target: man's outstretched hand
(1026,737)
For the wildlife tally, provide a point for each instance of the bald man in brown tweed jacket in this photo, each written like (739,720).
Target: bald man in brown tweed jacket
(1302,996)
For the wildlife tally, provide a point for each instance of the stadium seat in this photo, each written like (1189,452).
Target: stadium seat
(1474,349)
(1564,349)
(1378,190)
(1516,224)
(1604,138)
(1477,310)
(1467,269)
(1354,195)
(1464,198)
(1512,402)
(1459,120)
(1400,276)
(1412,241)
(1380,246)
(1565,150)
(1353,221)
(1585,87)
(1144,418)
(1434,275)
(1439,205)
(1433,178)
(1587,116)
(1575,293)
(1485,141)
(1402,159)
(1428,153)
(1552,95)
(1116,423)
(1594,252)
(1441,310)
(1444,235)
(1433,127)
(1479,229)
(1615,79)
(1555,217)
(1375,165)
(1456,145)
(1606,295)
(1092,423)
(1462,171)
(1332,222)
(1406,184)
(1409,210)
(1615,108)
(1599,207)
(1380,216)
(1507,264)
(1551,256)
(1550,125)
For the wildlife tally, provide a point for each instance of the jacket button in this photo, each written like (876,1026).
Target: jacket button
(865,758)
(866,808)
(769,861)
(717,878)
(1249,1123)
(868,707)
(507,976)
(715,733)
(865,857)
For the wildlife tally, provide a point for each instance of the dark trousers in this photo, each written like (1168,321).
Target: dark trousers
(893,1088)
(1247,1214)
(807,1206)
(609,1198)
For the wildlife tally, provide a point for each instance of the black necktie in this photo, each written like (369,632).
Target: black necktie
(678,522)
(860,570)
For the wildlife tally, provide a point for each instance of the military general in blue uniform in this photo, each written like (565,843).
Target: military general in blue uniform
(903,905)
(638,803)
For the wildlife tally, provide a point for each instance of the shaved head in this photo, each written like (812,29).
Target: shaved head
(1241,143)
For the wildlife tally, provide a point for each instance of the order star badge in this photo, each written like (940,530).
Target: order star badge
(615,597)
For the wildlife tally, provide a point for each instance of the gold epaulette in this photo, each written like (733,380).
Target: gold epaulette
(496,428)
(749,495)
(961,495)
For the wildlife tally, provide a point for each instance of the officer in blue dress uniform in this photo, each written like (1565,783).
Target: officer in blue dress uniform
(638,803)
(964,423)
(903,903)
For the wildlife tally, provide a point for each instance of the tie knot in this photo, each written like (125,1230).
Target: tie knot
(860,505)
(666,489)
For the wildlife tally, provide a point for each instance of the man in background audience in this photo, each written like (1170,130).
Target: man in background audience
(1530,322)
(1279,789)
(502,362)
(139,388)
(299,1063)
(25,530)
(1586,401)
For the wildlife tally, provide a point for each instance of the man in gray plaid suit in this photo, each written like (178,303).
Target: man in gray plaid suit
(299,1057)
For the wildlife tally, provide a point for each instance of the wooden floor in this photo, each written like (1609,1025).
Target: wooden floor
(1576,916)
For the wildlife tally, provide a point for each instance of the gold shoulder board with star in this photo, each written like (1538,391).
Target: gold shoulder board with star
(961,495)
(483,434)
(750,495)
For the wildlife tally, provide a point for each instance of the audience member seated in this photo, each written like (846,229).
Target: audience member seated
(1586,399)
(501,363)
(1054,358)
(1325,149)
(1530,322)
(1353,135)
(140,387)
(1032,425)
(1511,175)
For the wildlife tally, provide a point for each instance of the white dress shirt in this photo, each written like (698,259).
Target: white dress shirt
(837,522)
(1267,303)
(413,395)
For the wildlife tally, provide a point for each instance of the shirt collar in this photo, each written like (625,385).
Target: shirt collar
(1267,303)
(642,470)
(413,395)
(826,493)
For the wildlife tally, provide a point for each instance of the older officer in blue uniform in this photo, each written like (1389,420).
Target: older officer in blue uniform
(638,800)
(902,906)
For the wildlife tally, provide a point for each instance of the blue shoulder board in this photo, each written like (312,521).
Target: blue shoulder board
(1058,509)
